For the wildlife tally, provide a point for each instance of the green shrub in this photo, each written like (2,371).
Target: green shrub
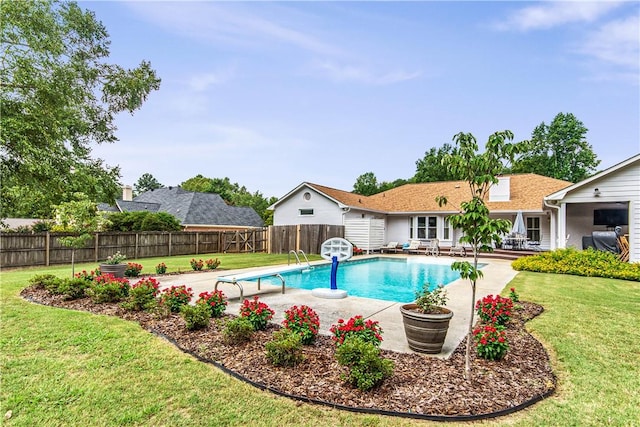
(285,349)
(237,331)
(176,296)
(367,368)
(106,288)
(73,288)
(46,281)
(590,263)
(196,316)
(142,295)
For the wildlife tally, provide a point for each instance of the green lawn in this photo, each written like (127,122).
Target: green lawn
(61,367)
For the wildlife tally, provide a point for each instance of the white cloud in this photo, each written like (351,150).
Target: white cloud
(616,42)
(340,73)
(553,14)
(203,81)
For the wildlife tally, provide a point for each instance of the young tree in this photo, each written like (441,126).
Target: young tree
(559,150)
(480,171)
(79,217)
(146,182)
(58,96)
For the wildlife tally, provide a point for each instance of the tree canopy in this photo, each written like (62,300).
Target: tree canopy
(430,168)
(559,150)
(146,182)
(58,97)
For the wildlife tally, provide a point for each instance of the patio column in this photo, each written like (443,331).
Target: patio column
(562,226)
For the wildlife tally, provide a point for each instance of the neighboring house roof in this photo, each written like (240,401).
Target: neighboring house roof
(527,192)
(192,208)
(559,195)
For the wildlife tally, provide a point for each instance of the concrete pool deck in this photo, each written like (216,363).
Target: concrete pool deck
(497,274)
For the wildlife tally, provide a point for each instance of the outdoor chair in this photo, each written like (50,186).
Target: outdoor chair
(390,247)
(414,247)
(458,249)
(433,248)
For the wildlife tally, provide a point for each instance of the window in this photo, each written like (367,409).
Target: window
(426,227)
(533,229)
(306,196)
(305,212)
(446,234)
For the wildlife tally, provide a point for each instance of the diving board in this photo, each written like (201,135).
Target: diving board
(253,275)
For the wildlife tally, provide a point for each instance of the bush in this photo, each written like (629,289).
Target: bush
(88,276)
(133,269)
(366,367)
(195,316)
(175,297)
(491,342)
(46,281)
(257,312)
(143,221)
(215,301)
(590,263)
(237,331)
(304,321)
(107,288)
(212,264)
(73,288)
(142,295)
(285,349)
(494,309)
(161,268)
(369,331)
(196,265)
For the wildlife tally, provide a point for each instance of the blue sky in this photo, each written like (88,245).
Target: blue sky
(271,94)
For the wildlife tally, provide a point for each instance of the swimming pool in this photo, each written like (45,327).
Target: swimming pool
(380,278)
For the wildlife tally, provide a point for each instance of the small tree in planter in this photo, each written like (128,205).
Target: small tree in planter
(481,171)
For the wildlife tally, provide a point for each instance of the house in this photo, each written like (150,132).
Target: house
(412,212)
(600,203)
(195,211)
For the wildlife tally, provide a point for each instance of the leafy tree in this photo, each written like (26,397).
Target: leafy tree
(480,171)
(143,221)
(80,217)
(198,183)
(58,96)
(384,185)
(366,184)
(146,182)
(430,167)
(559,150)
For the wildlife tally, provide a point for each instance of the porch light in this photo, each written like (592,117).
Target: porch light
(596,192)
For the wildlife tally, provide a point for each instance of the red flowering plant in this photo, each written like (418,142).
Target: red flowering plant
(175,297)
(87,276)
(491,341)
(133,269)
(142,295)
(212,264)
(161,268)
(369,331)
(196,265)
(303,321)
(257,312)
(513,295)
(216,301)
(494,309)
(108,288)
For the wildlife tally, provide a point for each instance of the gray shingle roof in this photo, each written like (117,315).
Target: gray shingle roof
(193,208)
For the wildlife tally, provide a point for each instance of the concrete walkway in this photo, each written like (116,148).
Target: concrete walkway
(497,274)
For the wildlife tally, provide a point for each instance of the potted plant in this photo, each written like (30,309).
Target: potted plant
(426,321)
(113,265)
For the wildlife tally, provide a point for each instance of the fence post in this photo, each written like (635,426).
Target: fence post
(135,251)
(46,249)
(96,248)
(197,243)
(169,243)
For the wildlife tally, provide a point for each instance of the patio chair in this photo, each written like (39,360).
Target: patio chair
(433,248)
(414,247)
(458,249)
(390,247)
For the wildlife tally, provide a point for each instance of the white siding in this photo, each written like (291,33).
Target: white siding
(325,211)
(367,234)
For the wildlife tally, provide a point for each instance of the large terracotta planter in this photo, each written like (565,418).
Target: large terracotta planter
(116,269)
(425,332)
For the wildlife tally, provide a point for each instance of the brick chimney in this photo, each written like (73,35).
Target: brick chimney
(127,193)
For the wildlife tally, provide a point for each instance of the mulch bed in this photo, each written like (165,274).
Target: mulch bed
(421,386)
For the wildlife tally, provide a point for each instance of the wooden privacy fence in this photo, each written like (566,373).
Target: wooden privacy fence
(21,249)
(304,237)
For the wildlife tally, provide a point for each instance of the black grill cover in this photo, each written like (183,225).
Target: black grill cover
(606,241)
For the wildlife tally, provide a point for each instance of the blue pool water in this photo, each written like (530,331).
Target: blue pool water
(380,278)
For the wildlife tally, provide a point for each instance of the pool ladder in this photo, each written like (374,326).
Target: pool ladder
(295,254)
